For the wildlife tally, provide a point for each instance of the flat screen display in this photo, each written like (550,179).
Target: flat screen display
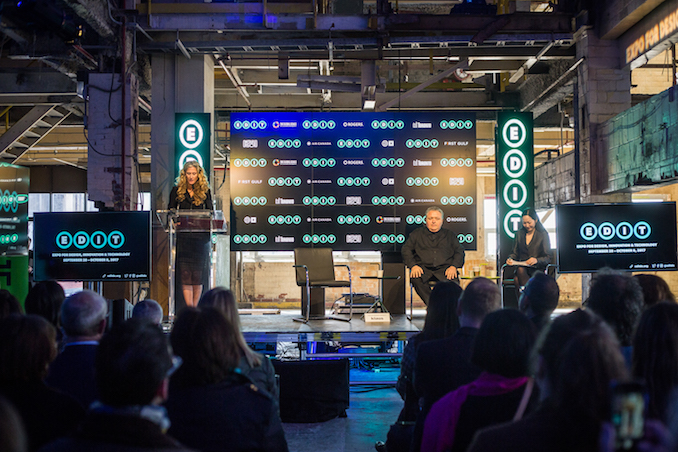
(350,181)
(92,246)
(625,236)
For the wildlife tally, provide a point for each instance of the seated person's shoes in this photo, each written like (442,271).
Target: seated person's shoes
(380,446)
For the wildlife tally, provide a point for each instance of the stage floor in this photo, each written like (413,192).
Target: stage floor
(282,328)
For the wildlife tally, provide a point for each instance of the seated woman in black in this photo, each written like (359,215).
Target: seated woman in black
(212,406)
(531,249)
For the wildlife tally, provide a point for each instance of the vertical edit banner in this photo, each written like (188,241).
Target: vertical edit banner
(515,177)
(192,140)
(14,185)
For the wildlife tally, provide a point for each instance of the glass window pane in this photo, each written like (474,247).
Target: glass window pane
(91,207)
(490,212)
(68,202)
(38,202)
(144,200)
(490,243)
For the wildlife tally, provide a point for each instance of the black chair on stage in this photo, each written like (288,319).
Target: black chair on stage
(315,272)
(508,285)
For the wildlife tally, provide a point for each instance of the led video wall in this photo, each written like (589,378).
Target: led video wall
(350,181)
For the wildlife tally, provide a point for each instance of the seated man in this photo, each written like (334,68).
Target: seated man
(432,254)
(133,365)
(148,309)
(83,319)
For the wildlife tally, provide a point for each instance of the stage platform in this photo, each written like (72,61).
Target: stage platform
(282,328)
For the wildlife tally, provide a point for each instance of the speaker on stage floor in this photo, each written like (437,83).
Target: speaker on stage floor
(393,289)
(313,391)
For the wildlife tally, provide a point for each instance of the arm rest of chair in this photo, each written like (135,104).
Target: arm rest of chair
(308,282)
(347,267)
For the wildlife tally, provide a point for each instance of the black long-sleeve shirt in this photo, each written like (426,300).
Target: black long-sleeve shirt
(433,249)
(539,248)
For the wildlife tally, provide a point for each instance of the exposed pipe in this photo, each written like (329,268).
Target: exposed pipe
(123,147)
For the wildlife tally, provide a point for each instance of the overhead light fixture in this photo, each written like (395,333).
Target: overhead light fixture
(180,45)
(369,104)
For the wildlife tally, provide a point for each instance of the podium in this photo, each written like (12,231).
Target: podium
(195,229)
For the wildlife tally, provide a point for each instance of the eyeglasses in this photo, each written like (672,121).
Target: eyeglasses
(176,363)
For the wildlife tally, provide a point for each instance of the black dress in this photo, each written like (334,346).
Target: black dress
(193,248)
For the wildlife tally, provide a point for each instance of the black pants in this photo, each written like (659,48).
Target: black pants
(431,274)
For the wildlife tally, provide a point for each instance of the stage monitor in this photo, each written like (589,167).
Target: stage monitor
(92,246)
(624,236)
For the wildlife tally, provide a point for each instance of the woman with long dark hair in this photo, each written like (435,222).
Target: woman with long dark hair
(252,364)
(503,392)
(192,192)
(212,406)
(531,249)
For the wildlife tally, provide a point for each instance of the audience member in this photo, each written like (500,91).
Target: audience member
(576,358)
(655,289)
(618,299)
(8,304)
(45,299)
(133,365)
(27,347)
(83,318)
(252,364)
(444,365)
(211,405)
(12,433)
(441,321)
(539,299)
(655,355)
(502,392)
(148,309)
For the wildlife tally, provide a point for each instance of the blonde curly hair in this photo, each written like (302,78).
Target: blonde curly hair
(200,188)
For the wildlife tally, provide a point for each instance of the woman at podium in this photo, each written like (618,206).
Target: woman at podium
(531,249)
(192,192)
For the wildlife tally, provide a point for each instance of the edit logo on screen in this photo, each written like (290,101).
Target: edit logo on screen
(622,230)
(97,240)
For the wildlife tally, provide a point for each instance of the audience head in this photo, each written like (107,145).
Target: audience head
(8,304)
(503,344)
(540,296)
(45,299)
(655,355)
(618,299)
(223,300)
(441,314)
(12,433)
(27,347)
(480,297)
(655,289)
(148,309)
(206,341)
(83,315)
(579,358)
(132,363)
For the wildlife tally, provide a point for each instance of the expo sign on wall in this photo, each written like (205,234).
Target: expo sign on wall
(515,176)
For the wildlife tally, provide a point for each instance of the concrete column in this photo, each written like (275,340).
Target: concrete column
(178,85)
(604,90)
